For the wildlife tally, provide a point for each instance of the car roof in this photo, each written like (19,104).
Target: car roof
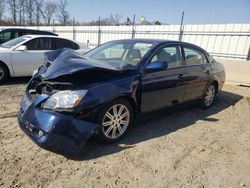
(37,36)
(28,30)
(146,40)
(47,36)
(160,41)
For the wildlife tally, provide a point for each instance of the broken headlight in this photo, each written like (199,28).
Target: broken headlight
(64,99)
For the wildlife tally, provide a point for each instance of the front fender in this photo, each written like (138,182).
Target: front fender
(6,60)
(103,94)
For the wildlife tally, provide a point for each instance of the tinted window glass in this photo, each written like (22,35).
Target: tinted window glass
(5,36)
(15,34)
(63,43)
(194,57)
(170,54)
(39,44)
(21,33)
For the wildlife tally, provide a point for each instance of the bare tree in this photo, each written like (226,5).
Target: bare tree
(30,10)
(48,11)
(12,5)
(21,11)
(38,10)
(2,8)
(115,19)
(62,13)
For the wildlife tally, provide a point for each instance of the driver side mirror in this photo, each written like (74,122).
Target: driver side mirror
(156,66)
(21,48)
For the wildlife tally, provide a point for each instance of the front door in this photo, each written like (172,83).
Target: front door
(164,88)
(25,62)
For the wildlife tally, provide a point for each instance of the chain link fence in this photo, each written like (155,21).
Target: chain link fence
(221,40)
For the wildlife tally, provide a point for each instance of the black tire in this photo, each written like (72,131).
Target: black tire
(208,96)
(103,118)
(4,73)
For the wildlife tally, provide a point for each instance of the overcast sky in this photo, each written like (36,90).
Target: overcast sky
(166,11)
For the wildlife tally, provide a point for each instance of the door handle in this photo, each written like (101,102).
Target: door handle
(180,76)
(208,72)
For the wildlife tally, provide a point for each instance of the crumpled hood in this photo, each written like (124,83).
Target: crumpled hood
(67,62)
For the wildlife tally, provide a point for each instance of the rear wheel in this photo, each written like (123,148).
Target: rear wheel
(116,118)
(4,73)
(208,97)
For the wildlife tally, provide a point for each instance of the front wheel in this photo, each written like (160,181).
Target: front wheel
(3,73)
(208,97)
(116,118)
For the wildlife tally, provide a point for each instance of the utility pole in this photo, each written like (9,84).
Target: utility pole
(99,31)
(74,32)
(248,55)
(133,27)
(181,27)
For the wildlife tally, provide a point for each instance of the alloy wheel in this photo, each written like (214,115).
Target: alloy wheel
(1,73)
(115,121)
(209,96)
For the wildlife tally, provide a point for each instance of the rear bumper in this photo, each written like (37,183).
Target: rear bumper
(52,130)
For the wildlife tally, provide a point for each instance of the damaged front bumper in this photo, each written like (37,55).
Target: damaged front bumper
(53,130)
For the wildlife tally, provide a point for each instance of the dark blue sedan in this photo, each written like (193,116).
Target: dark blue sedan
(72,97)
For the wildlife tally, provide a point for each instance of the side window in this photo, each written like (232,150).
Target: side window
(5,36)
(194,57)
(39,44)
(15,34)
(45,43)
(33,44)
(63,43)
(170,54)
(20,33)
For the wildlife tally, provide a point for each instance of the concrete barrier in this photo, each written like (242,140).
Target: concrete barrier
(237,71)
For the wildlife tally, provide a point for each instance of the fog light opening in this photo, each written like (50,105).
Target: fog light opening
(40,133)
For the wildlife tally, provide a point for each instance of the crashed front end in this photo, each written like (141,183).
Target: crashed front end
(52,129)
(50,116)
(64,97)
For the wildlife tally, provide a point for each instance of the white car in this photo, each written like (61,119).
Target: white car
(22,55)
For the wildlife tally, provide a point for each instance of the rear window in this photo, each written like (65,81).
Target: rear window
(63,43)
(194,56)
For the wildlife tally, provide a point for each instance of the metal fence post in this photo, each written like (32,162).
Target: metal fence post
(99,31)
(53,26)
(133,27)
(248,55)
(181,27)
(74,32)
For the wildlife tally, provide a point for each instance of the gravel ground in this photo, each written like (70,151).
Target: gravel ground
(185,147)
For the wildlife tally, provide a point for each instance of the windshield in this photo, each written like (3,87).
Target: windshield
(14,42)
(120,53)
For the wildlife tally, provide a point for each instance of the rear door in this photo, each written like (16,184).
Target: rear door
(164,88)
(198,72)
(25,62)
(64,43)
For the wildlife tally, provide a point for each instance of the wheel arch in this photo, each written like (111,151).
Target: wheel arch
(6,66)
(216,83)
(130,99)
(213,81)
